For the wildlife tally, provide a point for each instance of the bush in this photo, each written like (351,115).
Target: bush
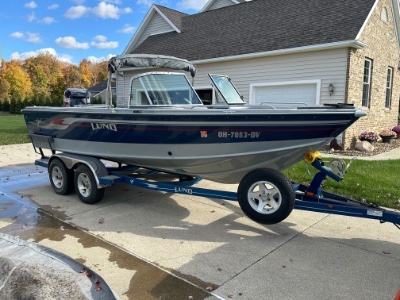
(5,105)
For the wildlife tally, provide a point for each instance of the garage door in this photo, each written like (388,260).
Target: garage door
(305,93)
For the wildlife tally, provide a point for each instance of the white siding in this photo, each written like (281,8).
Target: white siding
(220,4)
(156,25)
(328,66)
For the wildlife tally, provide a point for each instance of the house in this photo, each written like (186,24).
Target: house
(99,90)
(311,51)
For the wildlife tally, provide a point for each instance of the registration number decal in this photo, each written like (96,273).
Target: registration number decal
(239,134)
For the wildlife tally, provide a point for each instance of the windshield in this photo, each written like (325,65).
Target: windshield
(226,89)
(162,89)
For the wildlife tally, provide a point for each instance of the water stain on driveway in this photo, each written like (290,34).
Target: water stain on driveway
(140,279)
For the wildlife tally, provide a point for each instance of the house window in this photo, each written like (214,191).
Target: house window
(389,84)
(384,15)
(367,82)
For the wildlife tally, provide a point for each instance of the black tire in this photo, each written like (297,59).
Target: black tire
(86,186)
(61,178)
(273,188)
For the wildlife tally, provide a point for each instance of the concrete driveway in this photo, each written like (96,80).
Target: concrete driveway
(203,248)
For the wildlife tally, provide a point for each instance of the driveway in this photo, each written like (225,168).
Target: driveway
(201,247)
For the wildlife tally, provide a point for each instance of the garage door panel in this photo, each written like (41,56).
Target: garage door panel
(306,93)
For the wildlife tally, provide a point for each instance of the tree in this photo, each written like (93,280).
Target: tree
(86,75)
(45,73)
(14,80)
(71,75)
(99,72)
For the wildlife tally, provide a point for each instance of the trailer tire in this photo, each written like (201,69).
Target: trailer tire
(86,185)
(266,196)
(61,178)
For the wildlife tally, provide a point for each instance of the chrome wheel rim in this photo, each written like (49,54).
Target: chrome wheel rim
(264,197)
(84,186)
(57,177)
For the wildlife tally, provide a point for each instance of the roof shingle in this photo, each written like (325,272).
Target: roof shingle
(260,26)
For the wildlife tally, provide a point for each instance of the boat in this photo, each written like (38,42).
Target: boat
(166,127)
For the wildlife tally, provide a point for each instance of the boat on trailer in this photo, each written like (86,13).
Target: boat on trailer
(167,128)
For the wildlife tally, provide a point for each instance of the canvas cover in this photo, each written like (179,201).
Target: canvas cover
(150,61)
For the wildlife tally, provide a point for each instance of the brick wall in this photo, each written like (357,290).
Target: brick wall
(382,49)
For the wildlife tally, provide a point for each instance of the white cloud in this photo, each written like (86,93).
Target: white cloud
(25,55)
(47,20)
(103,10)
(53,6)
(28,37)
(69,42)
(127,29)
(76,12)
(30,5)
(100,42)
(94,59)
(33,38)
(109,11)
(100,38)
(17,35)
(191,4)
(31,17)
(78,1)
(106,11)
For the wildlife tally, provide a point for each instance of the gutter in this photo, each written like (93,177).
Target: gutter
(344,44)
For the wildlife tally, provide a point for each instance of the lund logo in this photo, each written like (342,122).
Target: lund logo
(98,126)
(183,190)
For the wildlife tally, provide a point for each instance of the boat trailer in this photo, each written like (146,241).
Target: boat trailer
(264,195)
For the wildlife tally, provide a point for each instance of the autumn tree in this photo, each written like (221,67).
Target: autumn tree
(71,75)
(99,72)
(86,75)
(14,81)
(45,73)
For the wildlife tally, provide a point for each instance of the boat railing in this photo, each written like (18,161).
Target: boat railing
(273,105)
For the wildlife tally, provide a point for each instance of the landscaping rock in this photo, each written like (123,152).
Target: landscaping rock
(364,146)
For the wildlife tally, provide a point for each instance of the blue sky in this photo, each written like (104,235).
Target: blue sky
(75,29)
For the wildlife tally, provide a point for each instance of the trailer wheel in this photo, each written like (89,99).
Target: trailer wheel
(266,196)
(61,178)
(86,186)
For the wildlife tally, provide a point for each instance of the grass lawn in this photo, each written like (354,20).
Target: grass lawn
(372,181)
(13,129)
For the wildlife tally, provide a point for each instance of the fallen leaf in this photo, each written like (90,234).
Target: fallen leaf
(101,220)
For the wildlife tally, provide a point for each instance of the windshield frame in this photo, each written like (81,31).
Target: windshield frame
(226,90)
(153,87)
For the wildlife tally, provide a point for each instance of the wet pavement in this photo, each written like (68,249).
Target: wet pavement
(21,217)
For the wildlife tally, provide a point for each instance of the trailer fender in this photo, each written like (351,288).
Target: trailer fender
(71,161)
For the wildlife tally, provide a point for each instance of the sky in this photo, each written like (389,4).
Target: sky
(73,30)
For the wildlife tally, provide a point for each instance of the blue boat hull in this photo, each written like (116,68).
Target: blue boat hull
(221,144)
